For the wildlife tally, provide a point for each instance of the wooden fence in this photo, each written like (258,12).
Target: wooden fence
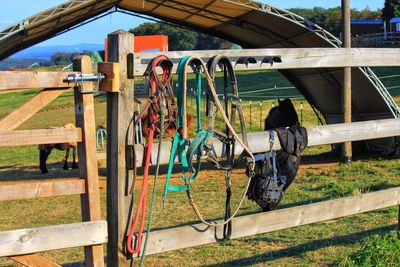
(120,177)
(122,68)
(20,245)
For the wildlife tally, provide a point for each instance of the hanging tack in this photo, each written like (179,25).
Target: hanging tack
(205,102)
(301,112)
(261,105)
(250,114)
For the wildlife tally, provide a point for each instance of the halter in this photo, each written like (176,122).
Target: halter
(161,96)
(227,138)
(186,152)
(181,147)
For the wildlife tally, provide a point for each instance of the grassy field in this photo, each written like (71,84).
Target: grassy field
(320,178)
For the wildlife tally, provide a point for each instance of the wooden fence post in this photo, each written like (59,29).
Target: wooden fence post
(119,129)
(84,115)
(347,153)
(398,219)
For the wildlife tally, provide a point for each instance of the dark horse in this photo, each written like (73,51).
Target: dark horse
(283,115)
(279,118)
(46,149)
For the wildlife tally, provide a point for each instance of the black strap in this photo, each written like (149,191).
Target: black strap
(229,78)
(228,226)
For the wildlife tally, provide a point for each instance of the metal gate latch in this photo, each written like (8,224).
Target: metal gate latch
(81,78)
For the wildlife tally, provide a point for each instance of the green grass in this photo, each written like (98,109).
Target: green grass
(392,83)
(379,251)
(320,178)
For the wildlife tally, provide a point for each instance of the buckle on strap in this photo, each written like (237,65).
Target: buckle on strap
(196,149)
(223,137)
(235,100)
(271,140)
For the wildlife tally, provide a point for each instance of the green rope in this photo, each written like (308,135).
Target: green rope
(153,196)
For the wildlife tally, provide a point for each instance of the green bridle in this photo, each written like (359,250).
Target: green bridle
(182,148)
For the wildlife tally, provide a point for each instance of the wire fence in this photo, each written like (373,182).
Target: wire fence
(256,108)
(257,103)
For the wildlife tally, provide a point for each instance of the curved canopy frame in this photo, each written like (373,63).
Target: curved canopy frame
(245,22)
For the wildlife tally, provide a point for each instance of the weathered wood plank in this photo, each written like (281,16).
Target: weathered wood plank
(119,131)
(111,71)
(317,135)
(17,80)
(292,58)
(32,240)
(34,260)
(41,189)
(84,116)
(102,155)
(43,136)
(30,108)
(199,234)
(336,133)
(347,152)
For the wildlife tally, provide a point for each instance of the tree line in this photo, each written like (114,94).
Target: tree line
(328,18)
(65,58)
(183,39)
(180,38)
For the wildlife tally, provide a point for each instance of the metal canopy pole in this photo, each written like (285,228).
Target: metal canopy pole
(346,95)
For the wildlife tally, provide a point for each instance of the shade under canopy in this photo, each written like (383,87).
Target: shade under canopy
(248,23)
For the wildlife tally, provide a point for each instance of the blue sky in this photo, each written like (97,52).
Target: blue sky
(95,32)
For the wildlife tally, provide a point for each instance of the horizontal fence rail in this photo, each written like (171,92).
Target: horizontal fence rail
(335,133)
(40,189)
(20,80)
(200,234)
(317,135)
(32,240)
(291,58)
(37,137)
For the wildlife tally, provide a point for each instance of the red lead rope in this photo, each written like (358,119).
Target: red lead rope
(153,116)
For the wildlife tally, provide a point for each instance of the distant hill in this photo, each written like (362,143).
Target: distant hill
(18,63)
(45,52)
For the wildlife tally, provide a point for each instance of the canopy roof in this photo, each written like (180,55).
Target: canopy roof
(367,22)
(395,20)
(250,24)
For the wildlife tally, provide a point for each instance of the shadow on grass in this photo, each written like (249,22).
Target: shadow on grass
(7,167)
(305,247)
(380,186)
(291,251)
(13,173)
(321,158)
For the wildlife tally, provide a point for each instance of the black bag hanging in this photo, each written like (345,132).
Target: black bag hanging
(276,171)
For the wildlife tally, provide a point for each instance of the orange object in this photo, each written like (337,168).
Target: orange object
(153,43)
(145,43)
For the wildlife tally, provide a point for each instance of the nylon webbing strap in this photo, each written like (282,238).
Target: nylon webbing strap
(181,147)
(271,154)
(275,187)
